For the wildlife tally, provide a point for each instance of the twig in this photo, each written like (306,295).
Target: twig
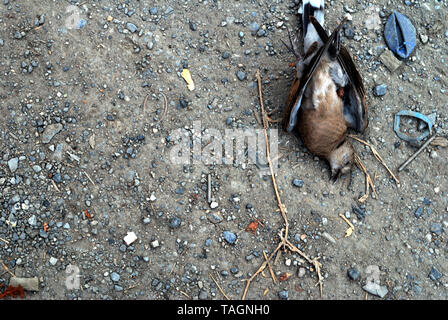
(423,147)
(89,178)
(166,106)
(219,287)
(268,155)
(270,268)
(7,270)
(4,240)
(185,294)
(284,232)
(55,186)
(209,188)
(144,102)
(378,157)
(369,182)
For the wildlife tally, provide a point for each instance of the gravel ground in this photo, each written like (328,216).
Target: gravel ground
(84,161)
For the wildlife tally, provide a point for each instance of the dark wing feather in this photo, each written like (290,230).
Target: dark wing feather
(355,108)
(291,120)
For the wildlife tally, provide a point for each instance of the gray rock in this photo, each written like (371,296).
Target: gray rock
(131,27)
(13,164)
(436,228)
(380,90)
(375,289)
(283,295)
(353,273)
(50,131)
(29,284)
(434,274)
(230,237)
(241,75)
(115,277)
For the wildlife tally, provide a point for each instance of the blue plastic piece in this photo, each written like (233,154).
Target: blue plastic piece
(408,113)
(400,35)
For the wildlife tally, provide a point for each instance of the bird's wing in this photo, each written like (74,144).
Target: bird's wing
(297,91)
(355,108)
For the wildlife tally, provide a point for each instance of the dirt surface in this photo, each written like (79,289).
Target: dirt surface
(78,75)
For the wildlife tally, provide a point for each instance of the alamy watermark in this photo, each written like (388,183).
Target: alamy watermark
(237,147)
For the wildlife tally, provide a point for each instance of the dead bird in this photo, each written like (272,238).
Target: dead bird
(327,95)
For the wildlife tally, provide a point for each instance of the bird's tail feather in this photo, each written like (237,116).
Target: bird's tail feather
(311,8)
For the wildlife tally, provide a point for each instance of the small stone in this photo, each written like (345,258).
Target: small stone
(297,183)
(436,228)
(153,10)
(53,261)
(180,190)
(29,284)
(380,90)
(424,38)
(13,164)
(131,27)
(155,243)
(353,274)
(390,61)
(225,55)
(50,131)
(174,223)
(214,217)
(283,295)
(130,238)
(230,237)
(435,274)
(241,75)
(202,295)
(301,272)
(115,277)
(214,205)
(375,289)
(418,213)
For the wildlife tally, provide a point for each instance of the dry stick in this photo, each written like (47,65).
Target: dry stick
(89,178)
(378,157)
(166,105)
(270,268)
(369,182)
(284,239)
(417,153)
(7,270)
(4,240)
(262,267)
(219,287)
(268,155)
(209,189)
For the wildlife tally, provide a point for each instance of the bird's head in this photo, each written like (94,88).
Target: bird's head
(341,159)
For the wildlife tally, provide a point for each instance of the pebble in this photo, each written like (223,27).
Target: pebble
(155,243)
(380,90)
(353,274)
(230,237)
(115,277)
(418,213)
(131,27)
(301,272)
(434,274)
(53,261)
(283,295)
(375,289)
(13,164)
(175,222)
(241,75)
(50,131)
(214,205)
(436,228)
(297,183)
